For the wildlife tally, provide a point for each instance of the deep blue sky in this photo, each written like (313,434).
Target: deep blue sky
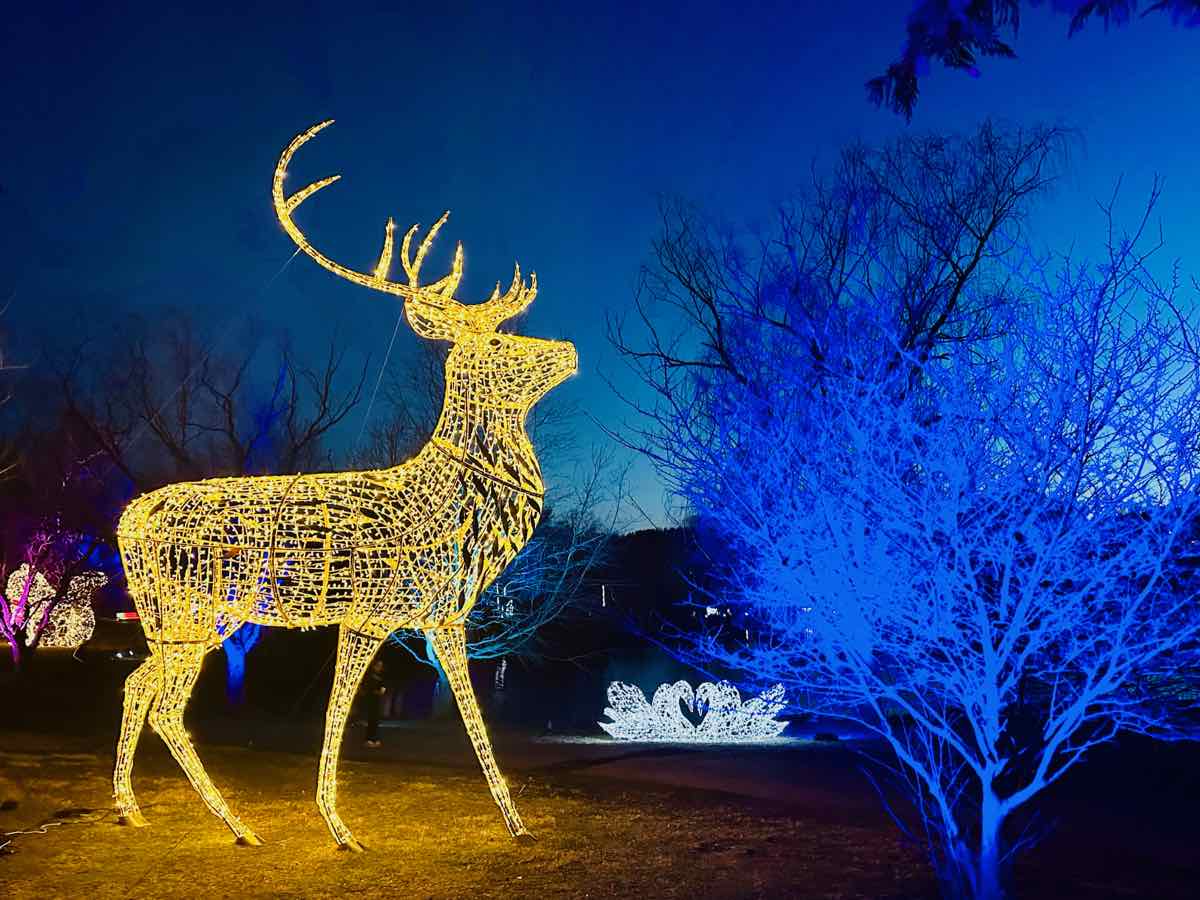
(136,148)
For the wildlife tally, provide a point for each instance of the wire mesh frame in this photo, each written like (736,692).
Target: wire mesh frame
(412,546)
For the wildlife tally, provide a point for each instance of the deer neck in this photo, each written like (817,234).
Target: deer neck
(489,440)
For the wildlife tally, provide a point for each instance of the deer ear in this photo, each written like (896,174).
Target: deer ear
(430,321)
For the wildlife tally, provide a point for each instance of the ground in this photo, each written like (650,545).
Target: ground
(610,821)
(431,831)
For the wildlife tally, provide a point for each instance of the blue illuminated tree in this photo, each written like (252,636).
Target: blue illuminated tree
(983,570)
(236,647)
(964,530)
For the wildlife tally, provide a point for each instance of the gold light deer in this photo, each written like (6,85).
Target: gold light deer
(372,552)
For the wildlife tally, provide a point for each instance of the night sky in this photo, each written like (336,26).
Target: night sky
(136,148)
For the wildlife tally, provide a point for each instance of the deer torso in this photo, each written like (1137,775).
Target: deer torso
(410,546)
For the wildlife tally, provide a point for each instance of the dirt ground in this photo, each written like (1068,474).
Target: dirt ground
(796,820)
(430,832)
(611,821)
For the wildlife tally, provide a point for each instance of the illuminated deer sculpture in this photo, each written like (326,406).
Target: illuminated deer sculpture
(372,552)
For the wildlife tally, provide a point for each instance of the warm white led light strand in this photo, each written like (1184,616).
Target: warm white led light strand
(71,620)
(407,547)
(712,714)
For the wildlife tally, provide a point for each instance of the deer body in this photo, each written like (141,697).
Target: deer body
(411,546)
(328,548)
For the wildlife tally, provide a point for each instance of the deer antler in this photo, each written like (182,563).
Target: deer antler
(430,308)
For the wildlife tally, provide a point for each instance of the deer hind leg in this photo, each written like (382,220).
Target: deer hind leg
(180,666)
(355,652)
(450,644)
(141,687)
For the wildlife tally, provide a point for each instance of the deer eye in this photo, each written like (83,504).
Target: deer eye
(494,342)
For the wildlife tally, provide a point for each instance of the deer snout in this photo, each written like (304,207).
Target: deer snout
(571,358)
(564,361)
(558,362)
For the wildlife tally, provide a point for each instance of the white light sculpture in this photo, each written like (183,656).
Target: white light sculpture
(719,713)
(71,621)
(39,589)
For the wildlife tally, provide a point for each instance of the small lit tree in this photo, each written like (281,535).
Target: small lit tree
(46,599)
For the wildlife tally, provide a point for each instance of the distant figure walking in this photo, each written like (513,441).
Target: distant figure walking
(373,691)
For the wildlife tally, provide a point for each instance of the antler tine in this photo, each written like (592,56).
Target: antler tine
(515,299)
(449,284)
(304,193)
(434,303)
(285,206)
(512,288)
(405,257)
(445,286)
(412,264)
(385,256)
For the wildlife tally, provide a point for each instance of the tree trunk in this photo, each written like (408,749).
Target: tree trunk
(236,648)
(988,882)
(14,649)
(443,695)
(235,678)
(975,870)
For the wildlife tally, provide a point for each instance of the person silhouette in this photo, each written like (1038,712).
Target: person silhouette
(374,690)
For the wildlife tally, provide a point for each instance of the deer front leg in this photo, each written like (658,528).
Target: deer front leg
(180,666)
(141,688)
(450,644)
(355,652)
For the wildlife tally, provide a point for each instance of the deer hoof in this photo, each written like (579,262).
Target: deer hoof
(249,839)
(524,837)
(134,819)
(352,846)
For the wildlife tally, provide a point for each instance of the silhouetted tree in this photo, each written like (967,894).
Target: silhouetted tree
(159,405)
(48,553)
(915,229)
(957,33)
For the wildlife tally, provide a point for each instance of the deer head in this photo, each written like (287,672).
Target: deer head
(512,371)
